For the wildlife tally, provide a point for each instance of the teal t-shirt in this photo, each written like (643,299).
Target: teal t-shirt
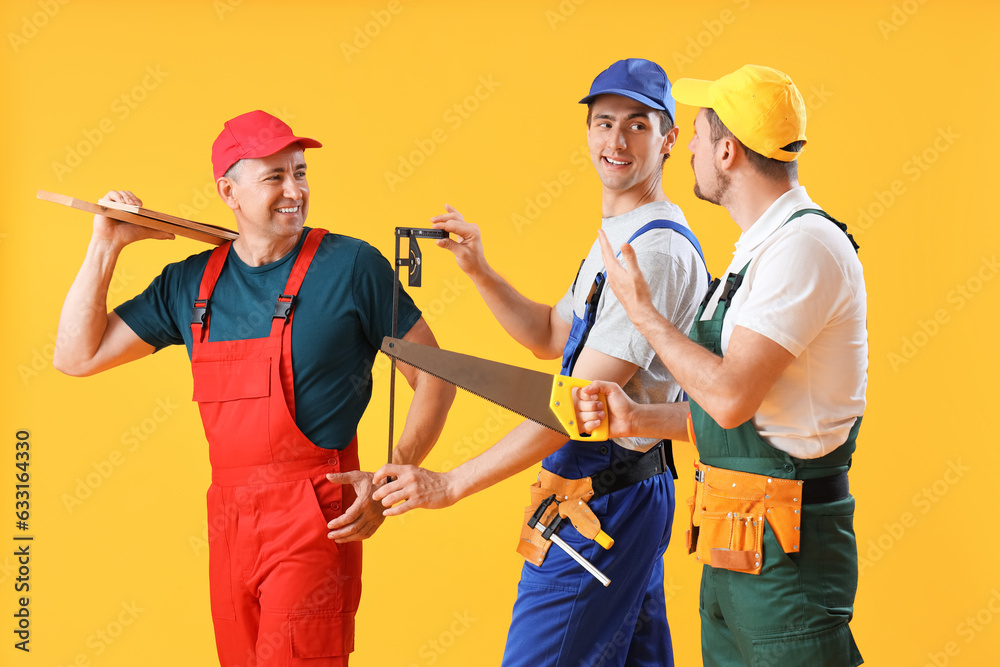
(342,312)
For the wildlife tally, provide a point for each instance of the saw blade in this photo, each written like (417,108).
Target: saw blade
(520,390)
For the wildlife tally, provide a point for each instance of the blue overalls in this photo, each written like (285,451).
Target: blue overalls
(563,616)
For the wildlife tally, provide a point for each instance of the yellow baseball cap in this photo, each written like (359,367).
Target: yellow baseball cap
(760,106)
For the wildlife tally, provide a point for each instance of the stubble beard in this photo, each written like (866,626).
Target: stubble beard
(722,182)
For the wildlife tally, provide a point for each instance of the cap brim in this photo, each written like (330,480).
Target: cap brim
(648,101)
(693,92)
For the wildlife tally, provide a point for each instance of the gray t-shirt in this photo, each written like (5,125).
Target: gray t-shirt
(677,281)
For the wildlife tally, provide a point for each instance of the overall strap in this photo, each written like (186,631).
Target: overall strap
(818,211)
(655,224)
(734,280)
(659,224)
(680,229)
(199,312)
(582,326)
(284,309)
(285,304)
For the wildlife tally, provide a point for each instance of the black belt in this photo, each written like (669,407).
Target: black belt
(657,460)
(825,489)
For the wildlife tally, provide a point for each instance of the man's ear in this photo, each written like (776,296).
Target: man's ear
(226,188)
(669,140)
(726,152)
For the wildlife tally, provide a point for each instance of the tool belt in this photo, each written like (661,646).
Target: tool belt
(572,496)
(729,510)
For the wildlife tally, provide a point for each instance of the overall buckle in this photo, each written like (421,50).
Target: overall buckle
(199,312)
(283,307)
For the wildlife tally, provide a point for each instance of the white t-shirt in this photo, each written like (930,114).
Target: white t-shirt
(677,280)
(805,290)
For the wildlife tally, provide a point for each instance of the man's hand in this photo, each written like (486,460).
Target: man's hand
(619,411)
(468,249)
(627,282)
(122,233)
(413,487)
(364,516)
(89,338)
(536,326)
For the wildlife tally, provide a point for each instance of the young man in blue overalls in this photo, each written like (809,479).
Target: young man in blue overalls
(563,616)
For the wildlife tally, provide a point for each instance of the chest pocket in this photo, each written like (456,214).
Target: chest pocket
(220,381)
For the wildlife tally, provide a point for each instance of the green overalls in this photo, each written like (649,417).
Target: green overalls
(796,611)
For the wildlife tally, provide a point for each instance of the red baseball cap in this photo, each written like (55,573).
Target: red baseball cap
(253,134)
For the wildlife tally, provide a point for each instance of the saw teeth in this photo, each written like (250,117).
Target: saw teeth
(485,398)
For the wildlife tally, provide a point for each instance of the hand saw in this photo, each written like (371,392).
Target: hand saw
(540,397)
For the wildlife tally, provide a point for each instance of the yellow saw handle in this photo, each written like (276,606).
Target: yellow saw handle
(561,404)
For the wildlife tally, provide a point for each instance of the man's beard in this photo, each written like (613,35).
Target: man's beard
(722,182)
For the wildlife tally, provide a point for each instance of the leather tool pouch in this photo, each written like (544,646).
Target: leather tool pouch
(729,511)
(571,502)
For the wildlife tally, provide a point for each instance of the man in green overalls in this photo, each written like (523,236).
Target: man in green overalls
(776,371)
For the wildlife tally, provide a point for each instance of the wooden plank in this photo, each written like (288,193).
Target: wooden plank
(146,218)
(165,217)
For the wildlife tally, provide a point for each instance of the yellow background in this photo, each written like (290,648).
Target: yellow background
(902,139)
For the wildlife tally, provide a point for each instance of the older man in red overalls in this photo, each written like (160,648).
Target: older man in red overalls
(288,505)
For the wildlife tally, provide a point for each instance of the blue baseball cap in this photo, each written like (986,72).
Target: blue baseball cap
(638,79)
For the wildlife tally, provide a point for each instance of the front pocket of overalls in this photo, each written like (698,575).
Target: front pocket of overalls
(219,557)
(330,499)
(233,398)
(321,634)
(739,537)
(220,381)
(830,558)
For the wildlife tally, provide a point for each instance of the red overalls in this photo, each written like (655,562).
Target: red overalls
(281,590)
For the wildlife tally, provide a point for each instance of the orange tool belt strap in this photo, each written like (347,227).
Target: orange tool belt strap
(729,511)
(571,503)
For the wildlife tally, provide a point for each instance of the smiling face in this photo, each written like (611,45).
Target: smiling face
(627,149)
(270,195)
